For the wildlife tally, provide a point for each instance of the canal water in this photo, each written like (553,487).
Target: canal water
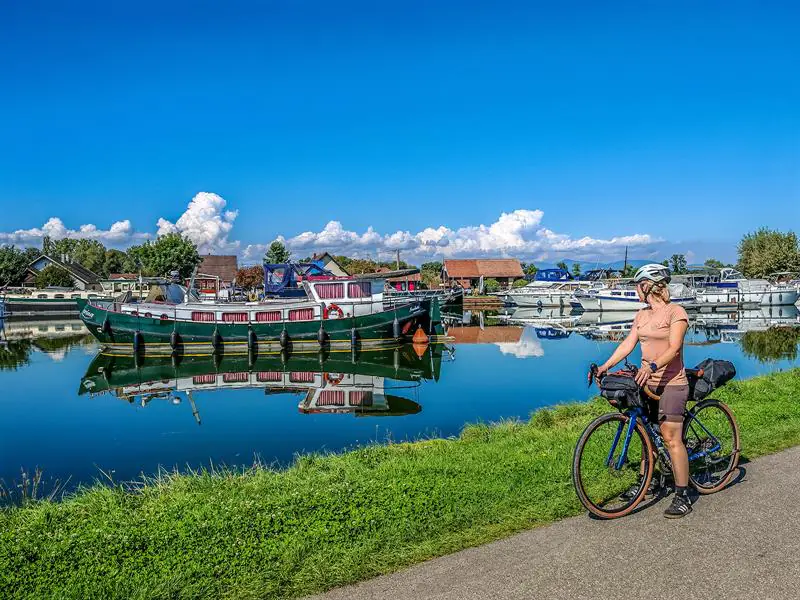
(74,413)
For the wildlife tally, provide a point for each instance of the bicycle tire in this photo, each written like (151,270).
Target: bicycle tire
(583,496)
(735,450)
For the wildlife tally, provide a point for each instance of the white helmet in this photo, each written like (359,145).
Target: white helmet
(652,272)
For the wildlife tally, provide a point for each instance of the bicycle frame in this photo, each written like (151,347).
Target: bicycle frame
(634,416)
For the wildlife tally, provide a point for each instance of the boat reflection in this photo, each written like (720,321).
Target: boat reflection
(367,383)
(705,328)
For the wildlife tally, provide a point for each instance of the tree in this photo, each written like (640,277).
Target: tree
(490,285)
(562,265)
(55,276)
(170,252)
(518,283)
(88,253)
(431,274)
(767,251)
(629,270)
(13,264)
(32,253)
(357,266)
(529,268)
(713,263)
(277,253)
(677,264)
(114,262)
(576,269)
(250,278)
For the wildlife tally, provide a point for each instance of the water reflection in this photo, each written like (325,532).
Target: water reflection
(367,383)
(766,333)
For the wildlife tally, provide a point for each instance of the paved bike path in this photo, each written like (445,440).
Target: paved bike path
(743,542)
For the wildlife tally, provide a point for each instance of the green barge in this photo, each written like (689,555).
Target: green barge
(337,314)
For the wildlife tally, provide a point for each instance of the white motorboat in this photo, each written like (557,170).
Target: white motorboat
(624,298)
(551,288)
(733,287)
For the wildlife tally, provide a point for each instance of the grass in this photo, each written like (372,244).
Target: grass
(328,520)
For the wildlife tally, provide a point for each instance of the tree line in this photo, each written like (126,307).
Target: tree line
(760,253)
(170,252)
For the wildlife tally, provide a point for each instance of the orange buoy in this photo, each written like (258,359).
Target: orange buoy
(419,336)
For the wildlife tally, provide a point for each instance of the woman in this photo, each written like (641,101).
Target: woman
(661,327)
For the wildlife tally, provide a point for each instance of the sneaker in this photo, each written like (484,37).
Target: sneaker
(680,507)
(631,492)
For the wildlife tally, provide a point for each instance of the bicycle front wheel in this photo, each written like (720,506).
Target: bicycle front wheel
(712,443)
(612,466)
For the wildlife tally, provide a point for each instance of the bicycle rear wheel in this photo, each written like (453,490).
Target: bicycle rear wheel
(711,436)
(604,469)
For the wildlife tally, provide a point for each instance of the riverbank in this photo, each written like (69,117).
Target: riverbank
(329,520)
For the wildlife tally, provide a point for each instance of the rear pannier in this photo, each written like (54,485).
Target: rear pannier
(716,373)
(621,390)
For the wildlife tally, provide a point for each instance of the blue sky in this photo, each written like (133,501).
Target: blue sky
(678,121)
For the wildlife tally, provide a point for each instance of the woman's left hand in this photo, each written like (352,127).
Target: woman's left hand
(643,374)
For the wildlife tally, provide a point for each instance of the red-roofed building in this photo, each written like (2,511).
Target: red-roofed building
(467,273)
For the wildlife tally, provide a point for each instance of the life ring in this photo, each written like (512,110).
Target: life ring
(332,308)
(252,296)
(334,380)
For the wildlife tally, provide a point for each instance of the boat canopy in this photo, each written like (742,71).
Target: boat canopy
(597,274)
(552,275)
(286,276)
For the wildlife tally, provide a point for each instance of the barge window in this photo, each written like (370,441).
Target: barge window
(301,377)
(267,376)
(237,317)
(59,296)
(75,296)
(235,377)
(359,289)
(42,296)
(331,398)
(268,316)
(358,398)
(205,317)
(204,379)
(301,314)
(329,291)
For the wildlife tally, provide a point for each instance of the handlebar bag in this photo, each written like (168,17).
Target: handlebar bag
(621,391)
(716,373)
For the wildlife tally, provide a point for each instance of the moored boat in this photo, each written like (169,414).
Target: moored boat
(551,288)
(337,313)
(50,301)
(623,298)
(733,287)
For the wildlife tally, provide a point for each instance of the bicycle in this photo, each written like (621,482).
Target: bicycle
(619,449)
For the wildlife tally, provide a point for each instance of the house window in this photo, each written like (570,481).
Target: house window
(268,316)
(301,314)
(359,289)
(330,291)
(237,317)
(205,317)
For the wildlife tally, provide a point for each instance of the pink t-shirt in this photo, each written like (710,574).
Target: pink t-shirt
(652,327)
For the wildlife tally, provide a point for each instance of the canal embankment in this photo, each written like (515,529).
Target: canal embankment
(328,520)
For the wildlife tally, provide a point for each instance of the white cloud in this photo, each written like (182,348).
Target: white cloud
(517,234)
(206,223)
(527,347)
(119,234)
